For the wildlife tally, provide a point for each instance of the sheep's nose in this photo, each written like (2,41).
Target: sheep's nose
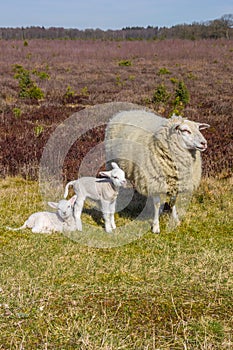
(204,143)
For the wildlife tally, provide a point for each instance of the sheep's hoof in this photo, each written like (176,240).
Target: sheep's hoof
(79,227)
(108,231)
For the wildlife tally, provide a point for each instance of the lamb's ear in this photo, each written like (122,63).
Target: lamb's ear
(73,199)
(203,126)
(53,205)
(105,173)
(114,165)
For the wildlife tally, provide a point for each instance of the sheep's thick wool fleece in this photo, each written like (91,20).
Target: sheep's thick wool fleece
(151,156)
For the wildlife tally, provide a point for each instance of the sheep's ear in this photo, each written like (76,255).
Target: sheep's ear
(53,205)
(73,199)
(203,126)
(114,165)
(176,126)
(175,122)
(105,173)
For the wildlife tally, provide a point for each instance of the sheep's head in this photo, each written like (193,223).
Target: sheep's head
(116,175)
(189,133)
(64,207)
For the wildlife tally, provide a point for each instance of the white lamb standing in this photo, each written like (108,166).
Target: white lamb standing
(104,190)
(47,222)
(160,156)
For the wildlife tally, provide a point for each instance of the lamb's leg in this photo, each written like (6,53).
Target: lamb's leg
(107,222)
(77,213)
(112,212)
(107,216)
(112,221)
(39,229)
(155,225)
(40,224)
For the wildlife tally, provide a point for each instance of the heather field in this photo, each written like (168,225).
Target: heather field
(132,289)
(73,75)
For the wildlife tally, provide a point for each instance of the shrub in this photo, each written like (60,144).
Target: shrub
(163,71)
(35,92)
(73,97)
(125,63)
(181,98)
(69,92)
(28,88)
(119,81)
(84,91)
(160,94)
(42,75)
(132,77)
(38,130)
(181,93)
(173,80)
(178,99)
(17,112)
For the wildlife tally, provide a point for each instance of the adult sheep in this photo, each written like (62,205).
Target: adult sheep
(160,156)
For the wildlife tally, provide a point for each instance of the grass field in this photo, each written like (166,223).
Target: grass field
(167,291)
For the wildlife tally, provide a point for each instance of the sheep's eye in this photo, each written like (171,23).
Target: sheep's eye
(115,177)
(186,131)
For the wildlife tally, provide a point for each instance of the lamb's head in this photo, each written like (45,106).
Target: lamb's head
(64,207)
(189,134)
(116,175)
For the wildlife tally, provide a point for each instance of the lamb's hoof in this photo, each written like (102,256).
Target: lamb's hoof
(155,229)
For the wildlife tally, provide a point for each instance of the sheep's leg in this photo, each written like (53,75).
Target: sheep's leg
(77,213)
(174,212)
(155,225)
(175,215)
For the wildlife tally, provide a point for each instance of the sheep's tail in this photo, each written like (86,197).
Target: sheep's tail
(71,183)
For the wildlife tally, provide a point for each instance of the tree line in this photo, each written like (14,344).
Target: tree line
(214,29)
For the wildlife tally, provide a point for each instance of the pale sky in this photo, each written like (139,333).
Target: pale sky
(109,14)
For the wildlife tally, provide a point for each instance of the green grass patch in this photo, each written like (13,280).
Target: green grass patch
(167,291)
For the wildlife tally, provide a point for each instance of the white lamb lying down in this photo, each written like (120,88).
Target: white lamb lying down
(105,190)
(48,222)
